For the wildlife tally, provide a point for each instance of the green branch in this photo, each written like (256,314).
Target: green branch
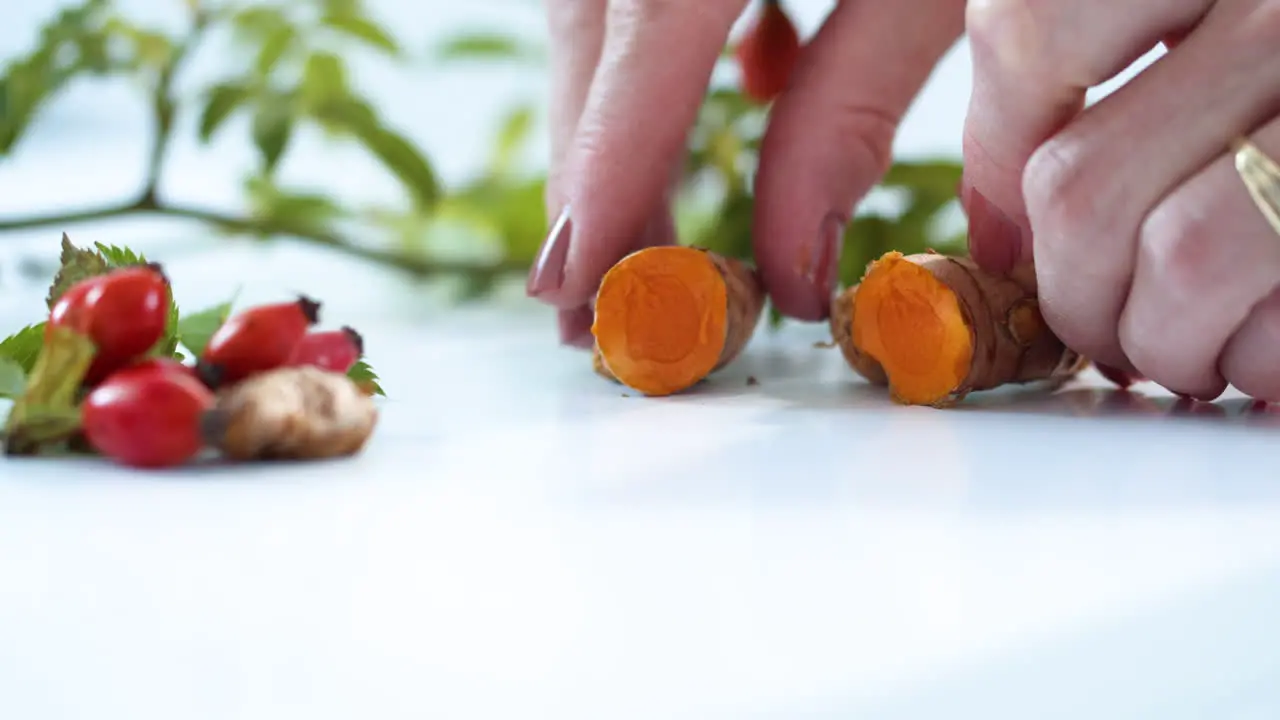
(408,263)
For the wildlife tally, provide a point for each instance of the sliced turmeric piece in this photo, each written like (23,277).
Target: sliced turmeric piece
(934,328)
(667,317)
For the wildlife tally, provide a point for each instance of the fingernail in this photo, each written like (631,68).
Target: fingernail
(547,274)
(575,327)
(995,239)
(1121,378)
(823,267)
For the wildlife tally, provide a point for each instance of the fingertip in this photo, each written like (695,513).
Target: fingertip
(997,241)
(800,272)
(574,326)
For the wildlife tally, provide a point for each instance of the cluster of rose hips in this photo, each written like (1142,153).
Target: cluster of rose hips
(146,411)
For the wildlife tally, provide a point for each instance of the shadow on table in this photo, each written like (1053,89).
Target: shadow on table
(820,381)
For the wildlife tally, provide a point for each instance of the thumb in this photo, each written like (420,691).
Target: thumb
(654,70)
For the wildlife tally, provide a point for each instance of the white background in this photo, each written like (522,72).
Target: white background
(520,540)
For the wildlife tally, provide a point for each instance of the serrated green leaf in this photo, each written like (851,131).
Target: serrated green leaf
(365,30)
(119,257)
(74,265)
(13,379)
(272,129)
(23,347)
(364,376)
(221,102)
(195,329)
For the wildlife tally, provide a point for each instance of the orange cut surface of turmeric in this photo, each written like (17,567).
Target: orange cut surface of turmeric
(661,319)
(935,328)
(912,325)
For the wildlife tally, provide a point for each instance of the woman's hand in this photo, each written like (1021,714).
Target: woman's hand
(629,77)
(1150,254)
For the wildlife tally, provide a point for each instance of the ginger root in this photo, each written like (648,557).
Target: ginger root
(935,328)
(667,317)
(292,413)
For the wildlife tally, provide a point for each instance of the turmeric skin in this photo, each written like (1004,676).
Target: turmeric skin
(667,317)
(291,413)
(935,328)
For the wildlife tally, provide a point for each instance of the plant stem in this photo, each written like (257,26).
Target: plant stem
(163,105)
(412,264)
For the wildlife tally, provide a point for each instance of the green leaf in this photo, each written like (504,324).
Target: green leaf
(43,412)
(275,44)
(118,257)
(403,159)
(195,329)
(23,347)
(13,379)
(74,265)
(324,79)
(365,30)
(222,100)
(272,129)
(485,46)
(934,177)
(511,138)
(364,376)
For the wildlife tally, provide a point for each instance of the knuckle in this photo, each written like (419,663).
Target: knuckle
(865,134)
(1175,247)
(1002,31)
(1061,198)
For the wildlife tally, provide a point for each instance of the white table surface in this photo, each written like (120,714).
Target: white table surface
(520,540)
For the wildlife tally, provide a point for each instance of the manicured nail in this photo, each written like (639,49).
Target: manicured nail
(547,274)
(1121,378)
(575,327)
(995,239)
(823,268)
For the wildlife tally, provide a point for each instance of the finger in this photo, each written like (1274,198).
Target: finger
(1090,187)
(1032,64)
(830,138)
(575,323)
(1206,256)
(655,65)
(576,30)
(1251,359)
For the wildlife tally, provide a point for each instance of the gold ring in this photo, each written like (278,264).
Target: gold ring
(1261,175)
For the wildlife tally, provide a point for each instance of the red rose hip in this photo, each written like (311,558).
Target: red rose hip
(123,312)
(256,340)
(335,350)
(146,418)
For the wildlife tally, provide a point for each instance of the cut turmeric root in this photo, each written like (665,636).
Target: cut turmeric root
(667,317)
(935,328)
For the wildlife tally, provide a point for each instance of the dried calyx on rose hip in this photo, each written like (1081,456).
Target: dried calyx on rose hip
(335,350)
(291,413)
(124,312)
(147,416)
(256,340)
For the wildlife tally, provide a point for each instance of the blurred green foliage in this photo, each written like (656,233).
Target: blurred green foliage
(295,74)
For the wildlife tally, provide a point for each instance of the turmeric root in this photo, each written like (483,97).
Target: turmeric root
(293,413)
(935,328)
(667,317)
